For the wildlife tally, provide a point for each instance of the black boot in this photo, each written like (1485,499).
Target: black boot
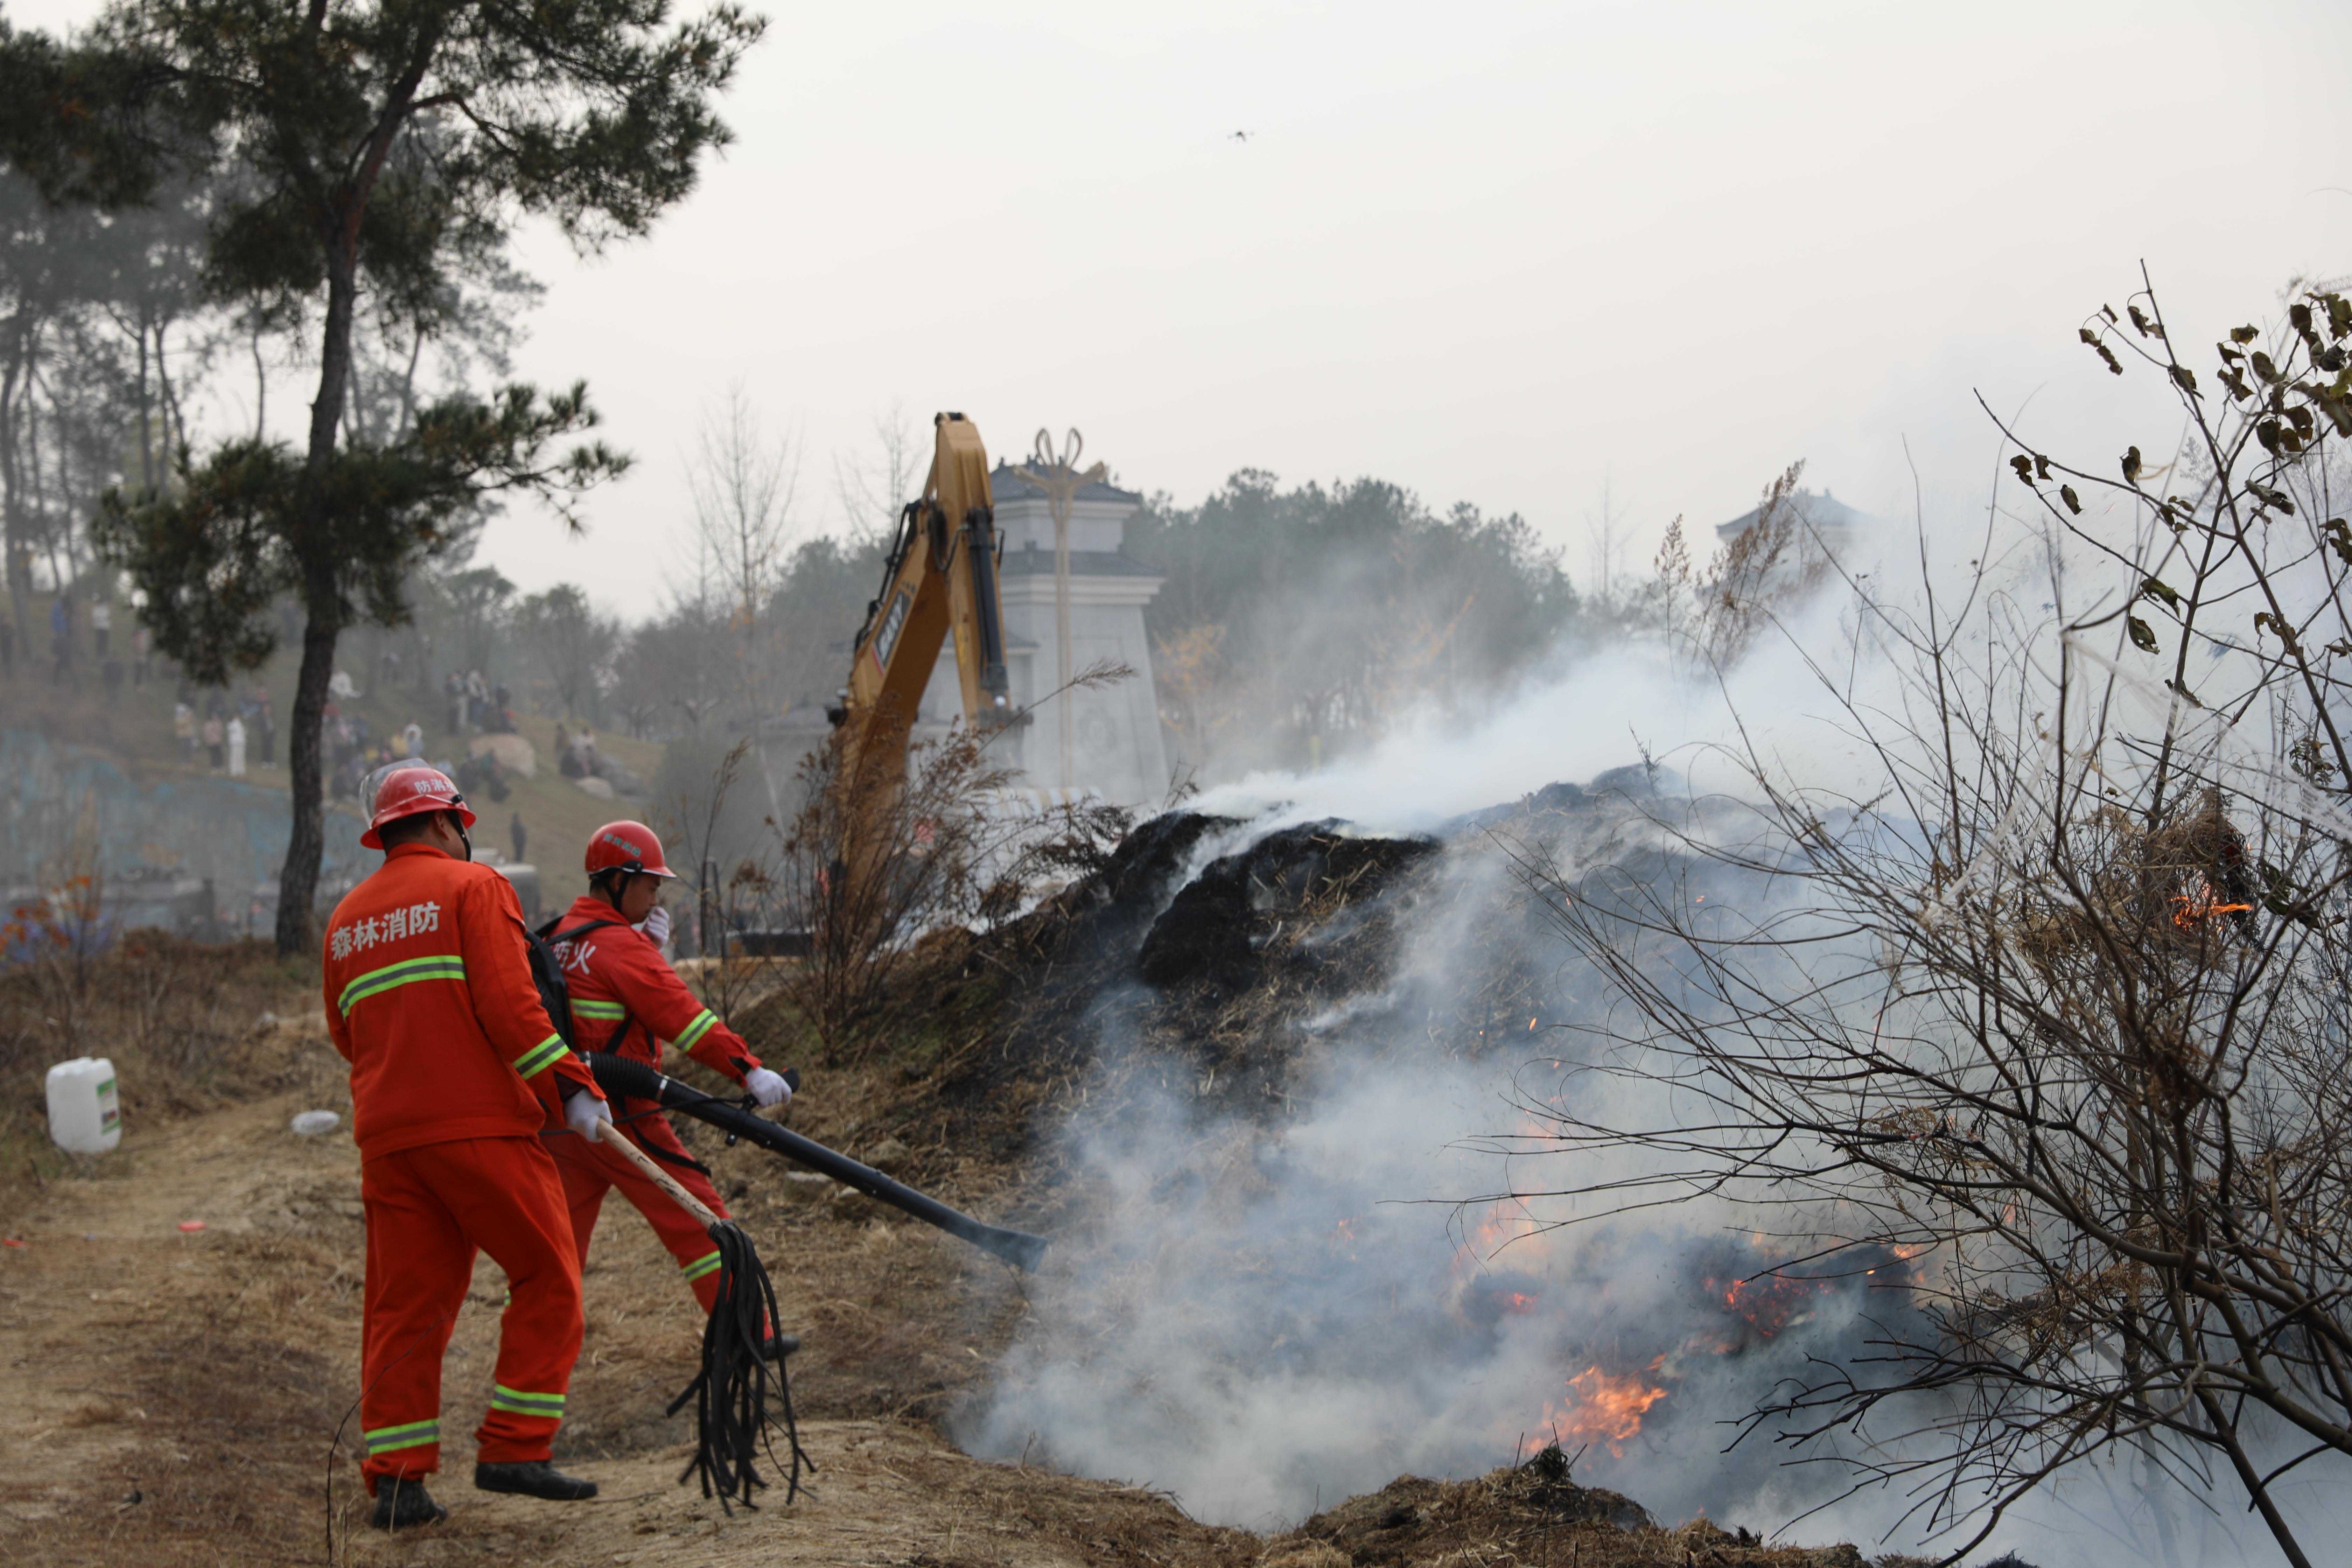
(533,1478)
(776,1347)
(402,1503)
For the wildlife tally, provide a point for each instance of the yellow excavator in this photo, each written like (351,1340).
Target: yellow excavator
(941,579)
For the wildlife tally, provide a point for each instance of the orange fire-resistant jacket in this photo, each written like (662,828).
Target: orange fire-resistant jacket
(626,998)
(429,997)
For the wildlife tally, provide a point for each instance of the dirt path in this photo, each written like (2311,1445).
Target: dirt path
(172,1397)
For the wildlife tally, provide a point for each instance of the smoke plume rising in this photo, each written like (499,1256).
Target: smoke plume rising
(1274,1305)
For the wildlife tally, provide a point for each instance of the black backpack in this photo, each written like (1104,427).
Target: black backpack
(547,973)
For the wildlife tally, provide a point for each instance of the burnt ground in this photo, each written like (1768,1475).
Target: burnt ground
(184,1398)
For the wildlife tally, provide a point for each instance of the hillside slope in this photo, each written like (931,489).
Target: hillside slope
(132,735)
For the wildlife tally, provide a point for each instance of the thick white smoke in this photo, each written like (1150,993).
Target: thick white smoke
(1259,1320)
(1262,1320)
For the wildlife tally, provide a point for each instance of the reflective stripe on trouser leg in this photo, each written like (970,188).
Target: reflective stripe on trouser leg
(706,1264)
(414,1434)
(523,1403)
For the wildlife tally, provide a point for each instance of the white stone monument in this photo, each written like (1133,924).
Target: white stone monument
(1114,744)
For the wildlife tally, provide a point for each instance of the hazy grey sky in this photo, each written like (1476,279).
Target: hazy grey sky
(1496,253)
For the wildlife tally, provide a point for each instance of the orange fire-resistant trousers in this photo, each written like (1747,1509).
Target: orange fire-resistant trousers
(590,1170)
(429,1209)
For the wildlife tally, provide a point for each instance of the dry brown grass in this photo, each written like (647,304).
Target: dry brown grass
(190,1027)
(1519,1517)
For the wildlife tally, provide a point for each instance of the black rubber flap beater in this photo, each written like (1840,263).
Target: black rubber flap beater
(731,1393)
(622,1076)
(736,1404)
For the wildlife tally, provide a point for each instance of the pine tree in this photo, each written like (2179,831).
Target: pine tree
(360,145)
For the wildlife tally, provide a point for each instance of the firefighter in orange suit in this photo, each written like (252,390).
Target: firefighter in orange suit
(455,1069)
(626,999)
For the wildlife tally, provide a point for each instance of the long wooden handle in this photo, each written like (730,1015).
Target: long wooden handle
(611,1137)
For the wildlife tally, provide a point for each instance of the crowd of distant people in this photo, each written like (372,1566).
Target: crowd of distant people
(478,706)
(475,706)
(229,731)
(68,639)
(233,732)
(575,755)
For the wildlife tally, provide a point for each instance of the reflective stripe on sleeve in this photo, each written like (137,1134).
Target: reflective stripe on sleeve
(540,1057)
(415,1435)
(440,966)
(700,1265)
(696,1030)
(522,1404)
(587,1009)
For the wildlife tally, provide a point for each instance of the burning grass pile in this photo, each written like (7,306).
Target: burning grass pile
(1205,955)
(1530,1515)
(1201,950)
(1214,994)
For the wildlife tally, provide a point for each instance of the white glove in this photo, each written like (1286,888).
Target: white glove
(657,927)
(767,1087)
(583,1111)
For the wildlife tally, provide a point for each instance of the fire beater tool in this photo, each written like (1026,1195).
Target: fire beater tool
(730,1392)
(622,1077)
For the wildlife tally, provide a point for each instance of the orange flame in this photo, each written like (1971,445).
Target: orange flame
(1760,1309)
(1504,1224)
(1603,1408)
(2202,906)
(1770,1300)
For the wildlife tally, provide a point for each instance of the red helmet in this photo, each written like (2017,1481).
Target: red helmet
(405,792)
(628,846)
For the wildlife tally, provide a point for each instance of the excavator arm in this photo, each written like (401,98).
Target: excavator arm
(942,580)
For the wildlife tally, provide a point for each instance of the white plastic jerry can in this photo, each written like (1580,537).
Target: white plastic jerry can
(84,1117)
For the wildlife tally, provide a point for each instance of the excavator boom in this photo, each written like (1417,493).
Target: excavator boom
(941,581)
